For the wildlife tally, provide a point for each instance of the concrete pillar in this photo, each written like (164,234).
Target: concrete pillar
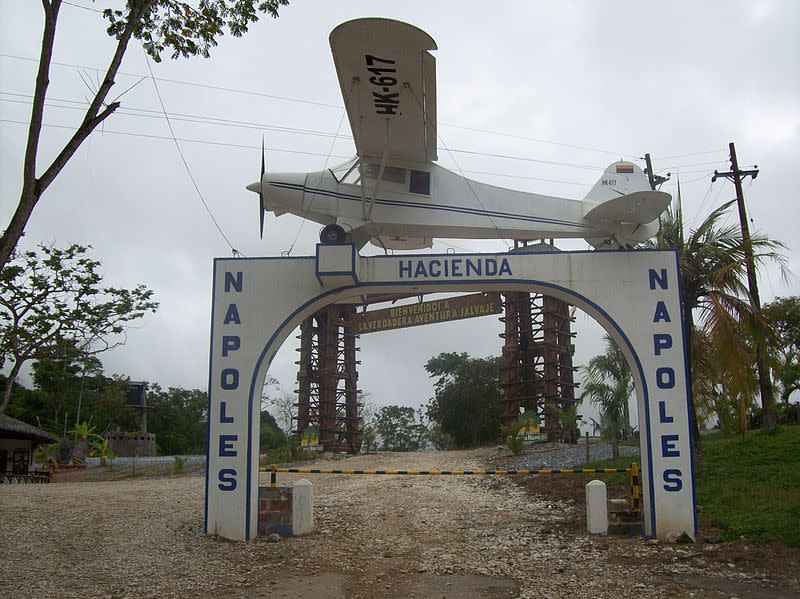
(596,510)
(302,507)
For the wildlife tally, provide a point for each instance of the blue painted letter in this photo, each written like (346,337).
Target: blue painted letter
(661,280)
(668,449)
(226,448)
(230,379)
(672,480)
(223,417)
(661,312)
(227,479)
(662,413)
(236,283)
(665,378)
(661,341)
(232,315)
(230,343)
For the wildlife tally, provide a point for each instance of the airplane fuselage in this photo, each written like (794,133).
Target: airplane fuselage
(421,202)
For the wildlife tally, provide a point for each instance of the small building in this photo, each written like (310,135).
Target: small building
(139,443)
(17,443)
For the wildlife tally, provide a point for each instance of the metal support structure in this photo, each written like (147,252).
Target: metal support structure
(328,379)
(537,372)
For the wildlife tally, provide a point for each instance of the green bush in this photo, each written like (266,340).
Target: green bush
(178,464)
(515,444)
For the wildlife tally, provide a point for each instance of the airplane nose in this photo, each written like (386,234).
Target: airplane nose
(287,181)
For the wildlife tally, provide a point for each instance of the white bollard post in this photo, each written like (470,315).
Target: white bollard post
(302,507)
(596,509)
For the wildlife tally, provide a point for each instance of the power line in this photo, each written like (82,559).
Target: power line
(176,116)
(539,140)
(327,105)
(314,195)
(186,164)
(697,214)
(261,126)
(691,154)
(89,8)
(184,139)
(179,82)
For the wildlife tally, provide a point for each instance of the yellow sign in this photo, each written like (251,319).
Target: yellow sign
(309,440)
(531,433)
(411,315)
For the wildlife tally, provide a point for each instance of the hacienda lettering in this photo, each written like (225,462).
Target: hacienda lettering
(454,267)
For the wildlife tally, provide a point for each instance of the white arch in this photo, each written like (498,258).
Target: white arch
(317,296)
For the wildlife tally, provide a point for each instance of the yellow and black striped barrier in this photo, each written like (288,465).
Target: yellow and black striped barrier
(632,471)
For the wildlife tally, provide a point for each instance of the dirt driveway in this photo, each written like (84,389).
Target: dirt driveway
(375,537)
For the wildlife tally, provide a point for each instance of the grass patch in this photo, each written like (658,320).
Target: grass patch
(750,486)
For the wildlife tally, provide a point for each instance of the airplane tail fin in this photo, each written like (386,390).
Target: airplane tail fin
(618,179)
(623,202)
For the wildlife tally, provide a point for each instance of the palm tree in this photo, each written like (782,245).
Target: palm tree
(716,301)
(609,384)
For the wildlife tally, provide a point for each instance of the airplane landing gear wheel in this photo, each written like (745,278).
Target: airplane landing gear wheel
(332,235)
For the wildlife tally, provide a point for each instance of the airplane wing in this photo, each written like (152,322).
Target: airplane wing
(388,82)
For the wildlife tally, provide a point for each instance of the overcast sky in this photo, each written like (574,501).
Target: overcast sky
(578,83)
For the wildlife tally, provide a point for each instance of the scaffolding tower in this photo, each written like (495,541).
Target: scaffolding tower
(537,372)
(327,377)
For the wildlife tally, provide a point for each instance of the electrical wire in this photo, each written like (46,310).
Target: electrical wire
(186,164)
(704,200)
(314,195)
(328,105)
(466,181)
(697,214)
(183,139)
(692,154)
(89,8)
(180,82)
(175,116)
(539,140)
(261,126)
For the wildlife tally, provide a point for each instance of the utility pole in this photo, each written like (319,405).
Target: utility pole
(651,176)
(762,366)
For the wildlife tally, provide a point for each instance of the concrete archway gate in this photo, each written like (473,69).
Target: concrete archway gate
(634,295)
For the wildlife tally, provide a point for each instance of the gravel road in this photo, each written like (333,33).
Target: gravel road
(375,537)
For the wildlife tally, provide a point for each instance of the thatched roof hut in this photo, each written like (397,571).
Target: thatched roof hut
(11,428)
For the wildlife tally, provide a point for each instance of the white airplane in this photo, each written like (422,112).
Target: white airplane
(394,195)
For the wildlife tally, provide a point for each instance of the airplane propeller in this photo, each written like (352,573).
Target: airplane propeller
(261,204)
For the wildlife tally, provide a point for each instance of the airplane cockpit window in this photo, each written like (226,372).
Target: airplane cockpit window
(347,172)
(420,183)
(391,174)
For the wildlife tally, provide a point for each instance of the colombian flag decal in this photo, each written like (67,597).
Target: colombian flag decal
(624,169)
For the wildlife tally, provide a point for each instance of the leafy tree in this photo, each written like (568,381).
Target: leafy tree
(715,300)
(179,27)
(29,406)
(609,384)
(178,417)
(467,398)
(55,296)
(399,429)
(271,436)
(784,315)
(70,387)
